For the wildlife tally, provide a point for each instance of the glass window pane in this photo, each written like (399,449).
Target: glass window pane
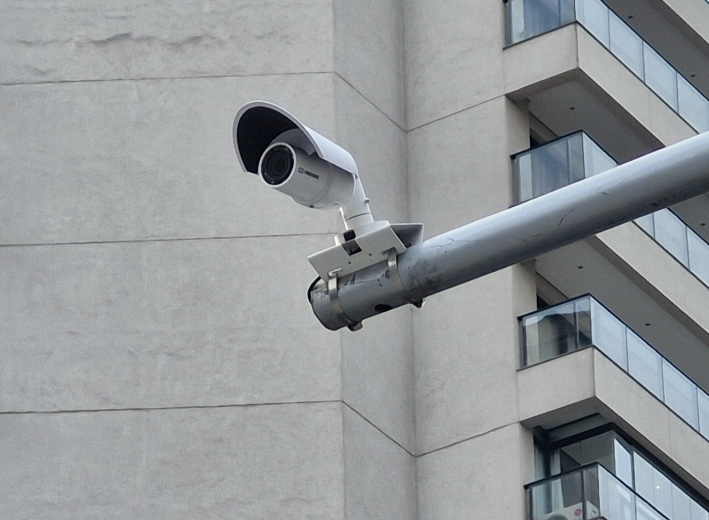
(692,105)
(680,394)
(680,504)
(671,233)
(698,256)
(609,335)
(647,223)
(592,492)
(600,448)
(662,498)
(660,76)
(593,15)
(515,21)
(616,500)
(645,512)
(524,175)
(595,159)
(582,308)
(643,477)
(626,45)
(540,457)
(568,11)
(574,147)
(652,485)
(556,496)
(537,17)
(697,512)
(549,333)
(623,462)
(645,364)
(550,169)
(703,401)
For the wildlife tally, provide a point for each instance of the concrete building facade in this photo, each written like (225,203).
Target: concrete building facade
(158,357)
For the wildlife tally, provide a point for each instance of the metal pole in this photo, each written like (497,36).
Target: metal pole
(582,209)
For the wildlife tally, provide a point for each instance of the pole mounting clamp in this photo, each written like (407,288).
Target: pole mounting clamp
(395,277)
(332,291)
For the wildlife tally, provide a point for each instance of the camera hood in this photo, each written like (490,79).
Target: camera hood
(258,123)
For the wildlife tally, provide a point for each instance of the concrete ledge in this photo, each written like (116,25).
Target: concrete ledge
(587,382)
(654,270)
(575,56)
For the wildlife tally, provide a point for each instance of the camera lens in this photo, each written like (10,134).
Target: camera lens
(277,165)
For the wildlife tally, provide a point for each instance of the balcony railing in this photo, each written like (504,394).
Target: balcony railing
(529,18)
(575,157)
(594,492)
(558,163)
(668,230)
(583,322)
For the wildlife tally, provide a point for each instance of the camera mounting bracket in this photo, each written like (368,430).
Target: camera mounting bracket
(356,249)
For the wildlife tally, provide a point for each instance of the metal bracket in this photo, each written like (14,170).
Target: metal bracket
(359,248)
(395,278)
(335,302)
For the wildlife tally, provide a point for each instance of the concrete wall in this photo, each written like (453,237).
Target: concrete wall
(473,456)
(160,359)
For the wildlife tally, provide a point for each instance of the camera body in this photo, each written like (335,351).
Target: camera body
(262,128)
(309,180)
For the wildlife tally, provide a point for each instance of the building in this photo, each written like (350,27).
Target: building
(158,358)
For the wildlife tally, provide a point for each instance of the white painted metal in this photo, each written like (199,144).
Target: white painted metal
(373,242)
(629,191)
(355,212)
(325,148)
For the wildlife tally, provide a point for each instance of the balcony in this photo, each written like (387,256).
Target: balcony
(557,164)
(593,492)
(529,18)
(584,322)
(678,239)
(575,157)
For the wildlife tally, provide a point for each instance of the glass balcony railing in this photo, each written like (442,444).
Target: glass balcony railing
(668,230)
(594,492)
(583,322)
(529,18)
(558,163)
(573,158)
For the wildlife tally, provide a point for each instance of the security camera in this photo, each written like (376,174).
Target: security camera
(291,158)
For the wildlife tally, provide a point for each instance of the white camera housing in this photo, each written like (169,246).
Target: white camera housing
(291,158)
(309,180)
(259,126)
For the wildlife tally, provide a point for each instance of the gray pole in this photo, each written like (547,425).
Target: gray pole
(582,209)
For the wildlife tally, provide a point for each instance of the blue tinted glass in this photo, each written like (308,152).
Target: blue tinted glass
(549,333)
(693,107)
(593,15)
(698,256)
(595,159)
(609,335)
(644,364)
(660,76)
(671,233)
(680,394)
(626,45)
